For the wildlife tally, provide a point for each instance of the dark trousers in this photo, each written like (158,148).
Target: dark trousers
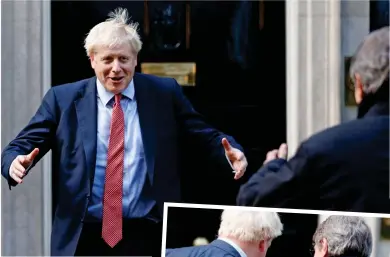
(141,237)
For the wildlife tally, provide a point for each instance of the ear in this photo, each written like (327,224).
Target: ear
(324,247)
(92,59)
(359,93)
(262,246)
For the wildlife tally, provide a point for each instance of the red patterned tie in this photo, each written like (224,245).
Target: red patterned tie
(112,202)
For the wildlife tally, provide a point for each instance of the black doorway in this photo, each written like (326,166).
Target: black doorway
(379,14)
(239,48)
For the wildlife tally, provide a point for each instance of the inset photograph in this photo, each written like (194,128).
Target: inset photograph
(192,230)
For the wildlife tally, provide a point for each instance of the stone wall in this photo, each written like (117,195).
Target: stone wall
(25,78)
(313,68)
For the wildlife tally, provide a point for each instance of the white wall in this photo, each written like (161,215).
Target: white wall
(313,49)
(384,248)
(22,208)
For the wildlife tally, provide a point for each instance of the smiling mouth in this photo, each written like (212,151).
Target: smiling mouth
(116,78)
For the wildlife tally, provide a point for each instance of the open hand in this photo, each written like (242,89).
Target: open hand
(18,167)
(236,158)
(280,153)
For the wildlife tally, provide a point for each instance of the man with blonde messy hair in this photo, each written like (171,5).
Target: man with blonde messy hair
(115,148)
(242,233)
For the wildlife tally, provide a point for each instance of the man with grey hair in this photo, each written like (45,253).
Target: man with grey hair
(242,233)
(342,236)
(346,167)
(115,139)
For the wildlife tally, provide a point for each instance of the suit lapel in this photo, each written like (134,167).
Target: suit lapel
(145,97)
(86,109)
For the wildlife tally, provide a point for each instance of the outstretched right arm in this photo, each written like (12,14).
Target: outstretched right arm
(39,133)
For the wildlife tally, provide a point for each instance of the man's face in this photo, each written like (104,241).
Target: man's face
(114,67)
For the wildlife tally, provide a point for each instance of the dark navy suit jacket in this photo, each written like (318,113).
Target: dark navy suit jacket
(66,122)
(343,168)
(217,248)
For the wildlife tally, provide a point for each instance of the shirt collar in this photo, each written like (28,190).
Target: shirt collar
(235,246)
(106,96)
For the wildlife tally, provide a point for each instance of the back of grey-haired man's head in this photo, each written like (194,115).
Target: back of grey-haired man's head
(371,61)
(346,236)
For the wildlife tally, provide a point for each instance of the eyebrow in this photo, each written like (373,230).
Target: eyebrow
(119,55)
